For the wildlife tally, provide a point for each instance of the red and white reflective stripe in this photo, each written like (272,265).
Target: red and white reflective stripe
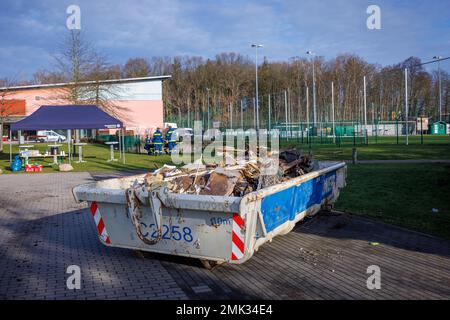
(99,223)
(238,236)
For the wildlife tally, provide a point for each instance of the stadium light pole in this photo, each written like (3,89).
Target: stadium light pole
(332,111)
(406,105)
(438,58)
(307,109)
(314,88)
(365,107)
(256,46)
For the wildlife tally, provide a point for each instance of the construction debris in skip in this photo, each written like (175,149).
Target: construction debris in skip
(235,179)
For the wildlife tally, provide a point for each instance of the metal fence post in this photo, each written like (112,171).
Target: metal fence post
(396,128)
(301,129)
(321,133)
(286,113)
(270,124)
(309,140)
(376,131)
(354,156)
(354,135)
(421,130)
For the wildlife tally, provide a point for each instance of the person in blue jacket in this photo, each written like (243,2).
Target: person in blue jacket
(148,145)
(171,138)
(158,141)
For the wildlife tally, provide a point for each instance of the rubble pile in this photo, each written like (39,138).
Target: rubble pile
(228,180)
(293,163)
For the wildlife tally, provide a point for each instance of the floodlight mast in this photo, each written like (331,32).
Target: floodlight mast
(314,89)
(438,58)
(256,46)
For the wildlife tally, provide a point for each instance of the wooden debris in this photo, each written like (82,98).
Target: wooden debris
(193,167)
(221,182)
(152,181)
(293,163)
(167,171)
(289,166)
(180,184)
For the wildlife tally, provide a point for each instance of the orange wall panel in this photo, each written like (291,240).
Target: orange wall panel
(12,107)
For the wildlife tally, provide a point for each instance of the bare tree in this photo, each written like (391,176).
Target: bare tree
(74,62)
(47,77)
(135,68)
(85,71)
(230,78)
(97,90)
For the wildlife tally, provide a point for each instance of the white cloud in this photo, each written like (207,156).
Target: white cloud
(151,24)
(122,29)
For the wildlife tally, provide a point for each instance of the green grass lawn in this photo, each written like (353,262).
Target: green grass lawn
(96,156)
(434,147)
(400,194)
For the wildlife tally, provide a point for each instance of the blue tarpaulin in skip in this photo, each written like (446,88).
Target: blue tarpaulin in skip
(67,117)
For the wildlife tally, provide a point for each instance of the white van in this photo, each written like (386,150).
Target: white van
(183,132)
(49,136)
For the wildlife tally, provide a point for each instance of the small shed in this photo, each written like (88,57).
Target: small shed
(439,127)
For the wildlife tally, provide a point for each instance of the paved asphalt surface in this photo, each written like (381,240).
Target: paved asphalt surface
(43,231)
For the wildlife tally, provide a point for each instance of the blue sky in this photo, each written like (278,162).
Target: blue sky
(31,31)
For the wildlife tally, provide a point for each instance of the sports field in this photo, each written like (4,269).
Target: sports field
(410,195)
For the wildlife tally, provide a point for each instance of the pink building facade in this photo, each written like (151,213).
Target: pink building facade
(137,102)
